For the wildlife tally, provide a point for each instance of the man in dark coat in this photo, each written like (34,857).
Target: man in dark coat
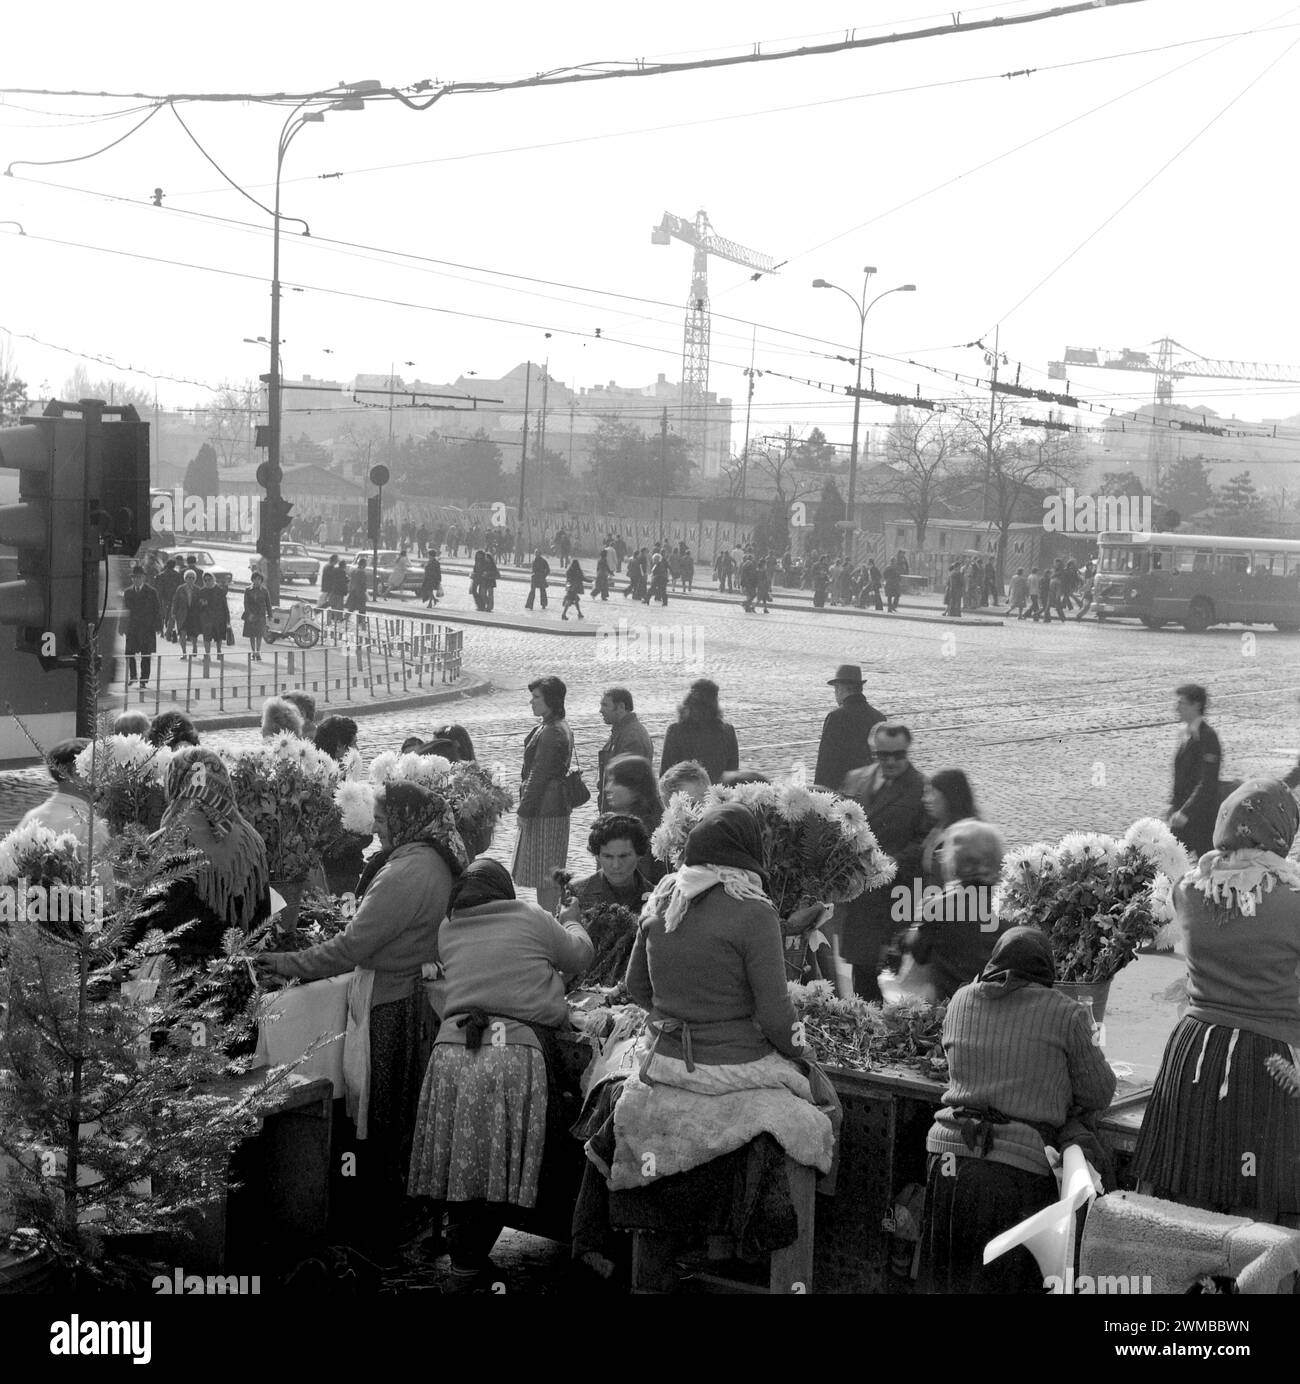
(893,586)
(1194,803)
(144,623)
(892,793)
(846,731)
(626,736)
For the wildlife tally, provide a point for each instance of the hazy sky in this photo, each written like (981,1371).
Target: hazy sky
(1138,182)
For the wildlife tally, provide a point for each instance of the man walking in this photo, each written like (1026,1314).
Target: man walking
(144,622)
(892,793)
(846,731)
(537,580)
(626,735)
(1194,803)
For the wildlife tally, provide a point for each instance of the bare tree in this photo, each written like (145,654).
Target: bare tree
(922,447)
(229,422)
(1010,462)
(82,385)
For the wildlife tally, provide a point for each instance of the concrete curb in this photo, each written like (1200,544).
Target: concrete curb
(475,687)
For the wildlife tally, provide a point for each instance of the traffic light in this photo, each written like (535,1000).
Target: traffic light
(121,487)
(372,518)
(273,519)
(57,575)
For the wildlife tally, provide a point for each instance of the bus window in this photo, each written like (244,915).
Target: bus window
(1232,564)
(1292,564)
(1123,560)
(1202,561)
(1264,564)
(1183,559)
(1163,559)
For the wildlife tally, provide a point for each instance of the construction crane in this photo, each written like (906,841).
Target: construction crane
(1168,367)
(695,339)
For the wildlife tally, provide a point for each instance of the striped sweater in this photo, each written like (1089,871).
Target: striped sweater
(1028,1054)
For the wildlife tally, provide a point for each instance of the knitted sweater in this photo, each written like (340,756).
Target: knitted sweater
(395,930)
(1028,1054)
(1241,972)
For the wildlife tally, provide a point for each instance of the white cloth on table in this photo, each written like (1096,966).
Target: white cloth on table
(294,1019)
(356,1048)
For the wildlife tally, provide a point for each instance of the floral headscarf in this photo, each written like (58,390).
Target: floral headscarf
(201,808)
(1252,834)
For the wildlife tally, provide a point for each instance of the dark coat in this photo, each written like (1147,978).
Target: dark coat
(628,737)
(844,741)
(546,762)
(1196,788)
(165,585)
(713,744)
(143,619)
(897,815)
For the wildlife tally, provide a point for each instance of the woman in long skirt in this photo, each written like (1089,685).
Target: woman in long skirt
(542,844)
(1215,1101)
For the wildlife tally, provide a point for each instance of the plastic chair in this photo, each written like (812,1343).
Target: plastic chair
(1049,1234)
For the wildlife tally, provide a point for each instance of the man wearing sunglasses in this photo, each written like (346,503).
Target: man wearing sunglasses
(892,793)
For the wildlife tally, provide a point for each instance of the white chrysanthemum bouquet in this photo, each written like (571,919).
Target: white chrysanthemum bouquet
(1098,898)
(819,846)
(129,775)
(477,796)
(285,788)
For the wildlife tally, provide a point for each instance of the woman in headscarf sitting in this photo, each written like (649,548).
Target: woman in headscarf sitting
(1022,1064)
(950,944)
(231,888)
(491,1088)
(1214,1099)
(401,900)
(723,1062)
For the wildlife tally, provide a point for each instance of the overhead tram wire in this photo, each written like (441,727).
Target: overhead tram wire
(584,73)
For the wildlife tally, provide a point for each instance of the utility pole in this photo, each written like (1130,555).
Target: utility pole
(523,463)
(749,400)
(993,403)
(663,468)
(541,433)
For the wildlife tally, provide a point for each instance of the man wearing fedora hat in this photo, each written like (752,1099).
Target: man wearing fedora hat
(845,732)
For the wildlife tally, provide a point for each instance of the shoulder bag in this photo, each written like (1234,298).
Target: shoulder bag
(576,791)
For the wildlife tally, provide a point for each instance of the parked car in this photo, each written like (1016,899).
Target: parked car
(295,563)
(203,560)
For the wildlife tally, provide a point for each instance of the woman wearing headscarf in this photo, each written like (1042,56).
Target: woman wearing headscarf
(1021,1064)
(232,886)
(402,898)
(952,941)
(1214,1099)
(491,1088)
(214,615)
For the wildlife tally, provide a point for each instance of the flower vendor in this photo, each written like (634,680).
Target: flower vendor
(401,900)
(1021,1061)
(630,787)
(68,806)
(1214,1100)
(618,841)
(491,1097)
(231,889)
(718,1069)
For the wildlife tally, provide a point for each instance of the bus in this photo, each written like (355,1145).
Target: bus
(1198,580)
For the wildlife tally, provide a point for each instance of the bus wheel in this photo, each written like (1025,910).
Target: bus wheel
(1200,615)
(1152,623)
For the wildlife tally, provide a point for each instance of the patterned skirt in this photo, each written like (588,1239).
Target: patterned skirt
(541,846)
(481,1128)
(1219,1132)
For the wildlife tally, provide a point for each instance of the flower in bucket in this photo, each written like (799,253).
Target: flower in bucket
(819,847)
(1098,898)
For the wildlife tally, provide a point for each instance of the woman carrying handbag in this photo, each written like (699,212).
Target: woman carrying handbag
(549,791)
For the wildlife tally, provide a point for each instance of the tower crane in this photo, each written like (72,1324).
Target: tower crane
(695,339)
(1172,361)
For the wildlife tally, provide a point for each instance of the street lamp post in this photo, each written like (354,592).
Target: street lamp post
(346,98)
(863,308)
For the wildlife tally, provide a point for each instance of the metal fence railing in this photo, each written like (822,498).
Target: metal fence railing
(351,661)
